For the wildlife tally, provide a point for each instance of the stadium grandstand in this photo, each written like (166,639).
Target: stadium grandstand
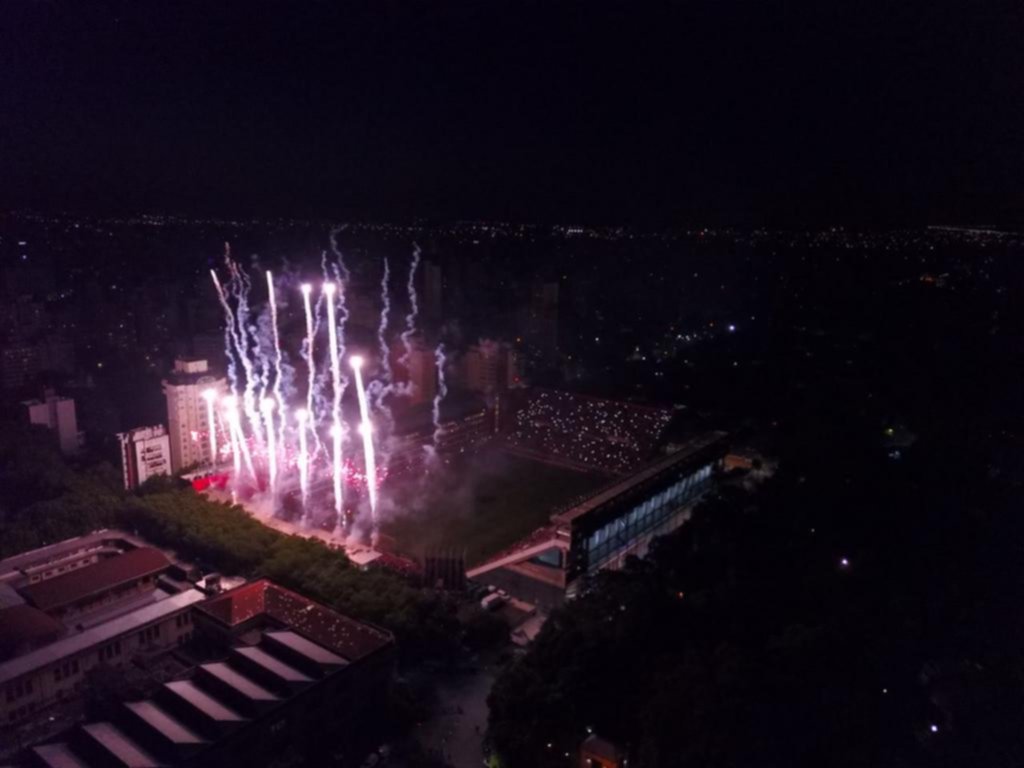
(586,432)
(602,530)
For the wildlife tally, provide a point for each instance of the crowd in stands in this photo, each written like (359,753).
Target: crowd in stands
(606,435)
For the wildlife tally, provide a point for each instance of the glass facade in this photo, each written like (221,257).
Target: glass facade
(609,540)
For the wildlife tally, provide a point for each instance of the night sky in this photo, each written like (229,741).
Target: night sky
(713,111)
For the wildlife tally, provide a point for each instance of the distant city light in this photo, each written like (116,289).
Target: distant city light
(732,328)
(933,728)
(843,562)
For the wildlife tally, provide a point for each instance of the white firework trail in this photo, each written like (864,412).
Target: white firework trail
(278,378)
(382,330)
(239,447)
(302,417)
(307,289)
(210,396)
(442,391)
(414,309)
(231,339)
(267,407)
(337,467)
(240,290)
(366,430)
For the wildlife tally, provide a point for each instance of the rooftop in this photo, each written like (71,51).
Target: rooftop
(69,646)
(349,638)
(111,572)
(121,748)
(58,755)
(102,540)
(25,627)
(203,702)
(168,726)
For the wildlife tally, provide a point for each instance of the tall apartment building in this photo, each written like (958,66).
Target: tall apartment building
(490,367)
(145,452)
(58,414)
(187,425)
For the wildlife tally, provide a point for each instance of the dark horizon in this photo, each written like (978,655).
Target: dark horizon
(713,114)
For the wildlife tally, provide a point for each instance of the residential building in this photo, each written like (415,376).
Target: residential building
(187,420)
(145,452)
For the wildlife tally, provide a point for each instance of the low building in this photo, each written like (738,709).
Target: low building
(145,452)
(188,424)
(108,581)
(68,607)
(287,671)
(48,674)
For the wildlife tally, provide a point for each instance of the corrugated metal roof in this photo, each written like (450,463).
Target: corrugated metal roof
(157,719)
(306,648)
(616,489)
(58,755)
(239,682)
(203,702)
(275,666)
(119,746)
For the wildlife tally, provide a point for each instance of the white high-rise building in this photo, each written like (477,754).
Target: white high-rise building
(58,414)
(145,452)
(187,425)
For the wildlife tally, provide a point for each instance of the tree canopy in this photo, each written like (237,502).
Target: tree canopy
(855,610)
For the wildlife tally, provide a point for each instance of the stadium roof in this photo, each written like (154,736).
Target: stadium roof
(349,638)
(95,579)
(618,488)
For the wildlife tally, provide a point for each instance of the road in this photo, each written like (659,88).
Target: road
(456,730)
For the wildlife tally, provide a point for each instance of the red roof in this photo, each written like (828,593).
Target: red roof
(95,579)
(324,626)
(24,628)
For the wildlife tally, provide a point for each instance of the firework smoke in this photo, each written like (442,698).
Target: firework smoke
(302,417)
(366,429)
